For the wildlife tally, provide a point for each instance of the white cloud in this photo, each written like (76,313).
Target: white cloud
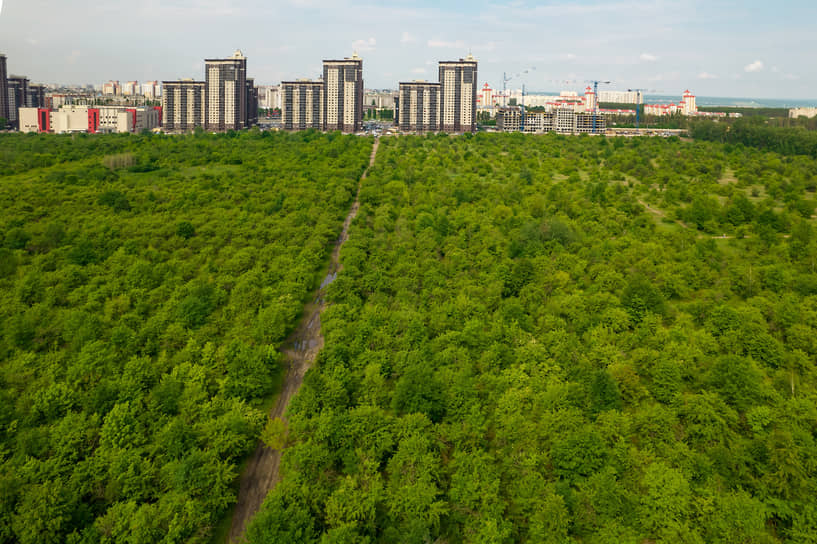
(791,77)
(648,57)
(442,44)
(407,38)
(570,56)
(756,66)
(707,75)
(418,71)
(489,46)
(362,46)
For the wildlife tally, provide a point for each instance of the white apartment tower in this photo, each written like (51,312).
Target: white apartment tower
(458,89)
(226,95)
(589,100)
(343,94)
(688,104)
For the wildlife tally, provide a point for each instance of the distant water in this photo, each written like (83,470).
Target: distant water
(708,101)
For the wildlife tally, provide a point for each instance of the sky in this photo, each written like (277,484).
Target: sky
(714,48)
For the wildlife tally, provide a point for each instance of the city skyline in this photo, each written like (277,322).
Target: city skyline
(753,50)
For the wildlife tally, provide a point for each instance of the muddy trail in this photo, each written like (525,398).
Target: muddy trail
(300,350)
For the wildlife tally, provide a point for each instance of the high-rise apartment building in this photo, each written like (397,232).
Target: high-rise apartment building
(688,103)
(458,88)
(269,97)
(112,87)
(4,90)
(226,97)
(17,97)
(252,104)
(419,106)
(150,90)
(36,96)
(302,104)
(343,94)
(183,105)
(130,88)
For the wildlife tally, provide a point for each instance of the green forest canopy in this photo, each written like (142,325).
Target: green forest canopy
(518,350)
(533,339)
(147,283)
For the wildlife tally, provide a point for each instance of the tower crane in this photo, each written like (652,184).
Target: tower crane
(596,83)
(638,101)
(506,78)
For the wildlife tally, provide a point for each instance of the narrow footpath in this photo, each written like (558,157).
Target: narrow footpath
(300,350)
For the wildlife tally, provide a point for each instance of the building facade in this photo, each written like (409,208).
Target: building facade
(419,107)
(17,97)
(130,88)
(343,94)
(564,120)
(226,96)
(794,113)
(36,96)
(458,88)
(269,97)
(89,119)
(621,97)
(4,90)
(112,88)
(687,106)
(183,104)
(302,105)
(509,119)
(151,90)
(252,104)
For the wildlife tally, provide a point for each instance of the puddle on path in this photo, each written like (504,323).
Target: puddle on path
(328,279)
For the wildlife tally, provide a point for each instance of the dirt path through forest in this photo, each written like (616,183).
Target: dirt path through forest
(300,350)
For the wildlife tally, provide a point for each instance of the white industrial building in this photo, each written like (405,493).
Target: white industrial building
(89,119)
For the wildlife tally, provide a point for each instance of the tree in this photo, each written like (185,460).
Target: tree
(275,433)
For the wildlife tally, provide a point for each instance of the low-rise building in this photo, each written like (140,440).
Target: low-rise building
(563,120)
(89,119)
(802,112)
(509,119)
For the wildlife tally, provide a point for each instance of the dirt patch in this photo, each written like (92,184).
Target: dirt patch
(300,350)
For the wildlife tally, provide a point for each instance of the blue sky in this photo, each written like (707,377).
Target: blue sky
(715,48)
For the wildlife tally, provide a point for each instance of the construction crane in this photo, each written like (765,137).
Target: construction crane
(506,79)
(595,83)
(638,101)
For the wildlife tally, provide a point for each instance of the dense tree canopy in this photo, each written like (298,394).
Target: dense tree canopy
(550,339)
(146,285)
